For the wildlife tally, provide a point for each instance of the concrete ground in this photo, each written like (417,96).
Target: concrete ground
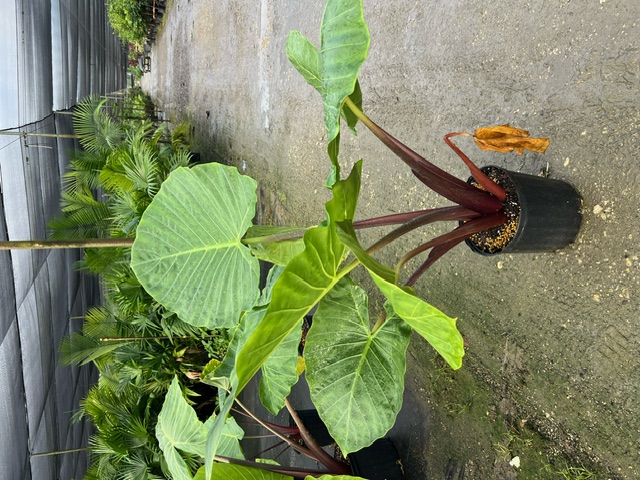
(551,374)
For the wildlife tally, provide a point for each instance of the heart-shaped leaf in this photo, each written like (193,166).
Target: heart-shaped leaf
(225,373)
(188,252)
(306,58)
(432,324)
(178,428)
(356,376)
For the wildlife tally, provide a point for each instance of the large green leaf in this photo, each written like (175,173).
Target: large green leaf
(188,253)
(227,369)
(307,278)
(344,46)
(279,372)
(178,427)
(356,376)
(305,57)
(226,471)
(433,325)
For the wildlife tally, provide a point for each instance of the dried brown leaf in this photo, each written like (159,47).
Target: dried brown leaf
(503,138)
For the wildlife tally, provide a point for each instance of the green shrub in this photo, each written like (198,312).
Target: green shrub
(127,19)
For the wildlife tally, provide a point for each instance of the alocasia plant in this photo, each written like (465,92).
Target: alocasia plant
(197,253)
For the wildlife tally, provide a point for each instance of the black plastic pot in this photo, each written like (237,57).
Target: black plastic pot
(549,214)
(380,461)
(315,425)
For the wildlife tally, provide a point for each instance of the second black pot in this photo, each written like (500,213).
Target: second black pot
(379,461)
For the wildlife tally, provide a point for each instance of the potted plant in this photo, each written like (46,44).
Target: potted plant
(197,253)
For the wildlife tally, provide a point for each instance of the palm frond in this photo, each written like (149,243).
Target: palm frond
(181,158)
(104,261)
(98,131)
(84,170)
(142,168)
(134,467)
(81,349)
(172,325)
(127,208)
(181,136)
(141,131)
(161,135)
(82,217)
(113,178)
(129,295)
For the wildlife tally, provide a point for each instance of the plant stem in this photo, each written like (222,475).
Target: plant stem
(132,339)
(328,461)
(393,219)
(278,237)
(486,183)
(49,244)
(47,135)
(280,428)
(382,221)
(463,231)
(435,215)
(433,177)
(437,252)
(268,449)
(291,443)
(59,452)
(381,319)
